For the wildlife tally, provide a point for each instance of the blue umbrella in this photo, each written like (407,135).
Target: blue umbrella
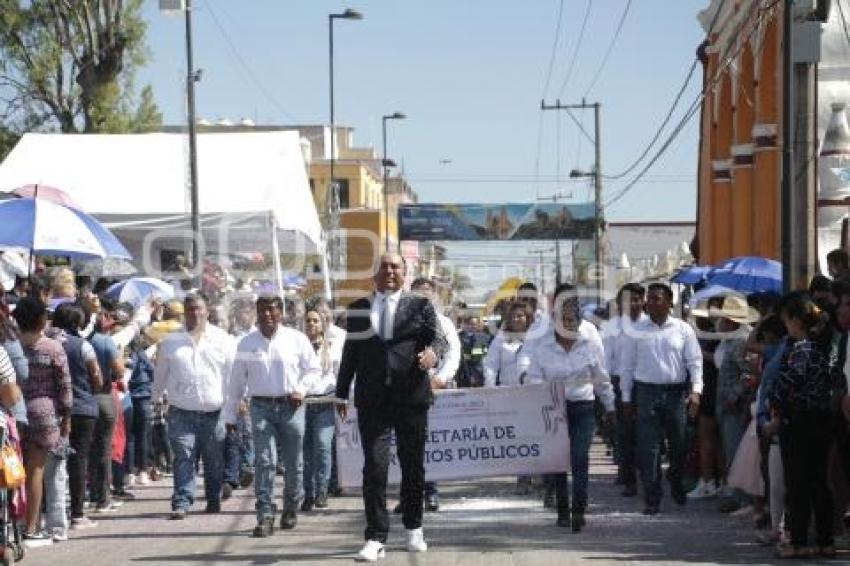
(748,274)
(47,228)
(691,275)
(139,290)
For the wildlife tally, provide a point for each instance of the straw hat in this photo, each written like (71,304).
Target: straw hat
(737,310)
(700,310)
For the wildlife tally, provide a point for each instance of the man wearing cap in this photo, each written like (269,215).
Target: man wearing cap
(192,367)
(662,372)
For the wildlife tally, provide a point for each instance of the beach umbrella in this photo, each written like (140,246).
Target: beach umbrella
(46,228)
(748,274)
(691,275)
(139,290)
(105,267)
(46,192)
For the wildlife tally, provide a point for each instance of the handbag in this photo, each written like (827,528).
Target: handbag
(12,473)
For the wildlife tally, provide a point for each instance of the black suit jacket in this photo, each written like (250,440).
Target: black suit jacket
(388,374)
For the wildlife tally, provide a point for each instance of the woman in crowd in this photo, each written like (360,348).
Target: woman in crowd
(567,355)
(49,399)
(319,425)
(11,343)
(800,404)
(141,429)
(501,362)
(68,321)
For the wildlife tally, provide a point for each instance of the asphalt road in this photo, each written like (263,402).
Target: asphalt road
(480,523)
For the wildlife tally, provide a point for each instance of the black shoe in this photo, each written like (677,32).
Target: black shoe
(563,521)
(321,501)
(123,494)
(178,514)
(578,521)
(549,499)
(212,507)
(629,491)
(432,502)
(307,505)
(226,491)
(264,528)
(336,491)
(279,470)
(679,496)
(651,509)
(288,520)
(397,508)
(246,478)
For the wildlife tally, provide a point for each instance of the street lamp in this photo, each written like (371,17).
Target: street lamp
(387,163)
(332,193)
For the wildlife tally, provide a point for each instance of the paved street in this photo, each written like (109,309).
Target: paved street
(480,522)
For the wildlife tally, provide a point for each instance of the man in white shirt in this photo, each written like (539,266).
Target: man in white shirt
(192,367)
(440,375)
(615,334)
(275,366)
(662,373)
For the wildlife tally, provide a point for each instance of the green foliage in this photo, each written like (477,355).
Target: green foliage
(69,65)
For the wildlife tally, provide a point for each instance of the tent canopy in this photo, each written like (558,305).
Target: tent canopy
(137,183)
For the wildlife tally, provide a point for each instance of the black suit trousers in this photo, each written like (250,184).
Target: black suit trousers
(410,427)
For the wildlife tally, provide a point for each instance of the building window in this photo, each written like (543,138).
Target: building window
(313,187)
(344,196)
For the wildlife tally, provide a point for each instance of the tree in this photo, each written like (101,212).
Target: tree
(70,65)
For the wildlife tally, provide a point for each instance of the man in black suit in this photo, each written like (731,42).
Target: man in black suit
(392,341)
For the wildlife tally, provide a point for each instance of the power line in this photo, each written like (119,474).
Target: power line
(673,106)
(249,73)
(844,22)
(577,48)
(610,48)
(729,59)
(554,48)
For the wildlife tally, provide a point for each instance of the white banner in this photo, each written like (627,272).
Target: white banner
(477,433)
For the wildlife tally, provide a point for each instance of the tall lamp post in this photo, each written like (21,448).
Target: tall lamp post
(387,163)
(333,191)
(597,218)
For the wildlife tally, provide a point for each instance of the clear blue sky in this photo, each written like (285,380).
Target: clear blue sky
(468,73)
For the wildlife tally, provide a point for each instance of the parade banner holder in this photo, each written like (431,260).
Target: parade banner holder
(477,432)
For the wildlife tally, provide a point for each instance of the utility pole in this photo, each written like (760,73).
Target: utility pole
(556,198)
(541,270)
(191,78)
(597,182)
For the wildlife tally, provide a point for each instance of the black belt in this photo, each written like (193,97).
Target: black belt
(663,386)
(272,400)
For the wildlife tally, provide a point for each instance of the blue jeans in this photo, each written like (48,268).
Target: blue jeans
(194,433)
(581,420)
(661,411)
(278,427)
(142,433)
(318,445)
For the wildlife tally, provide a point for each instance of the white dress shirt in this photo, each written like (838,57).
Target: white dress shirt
(663,355)
(502,361)
(391,299)
(275,367)
(615,333)
(580,368)
(326,384)
(194,374)
(447,368)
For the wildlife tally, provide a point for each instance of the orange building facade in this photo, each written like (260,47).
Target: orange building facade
(740,161)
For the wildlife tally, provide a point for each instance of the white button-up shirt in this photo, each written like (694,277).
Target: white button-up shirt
(194,374)
(447,368)
(275,367)
(664,355)
(326,384)
(502,361)
(377,307)
(615,333)
(580,368)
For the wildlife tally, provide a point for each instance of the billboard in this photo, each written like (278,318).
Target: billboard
(546,221)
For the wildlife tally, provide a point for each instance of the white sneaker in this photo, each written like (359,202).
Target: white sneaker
(371,552)
(78,523)
(703,490)
(416,541)
(130,480)
(60,535)
(143,479)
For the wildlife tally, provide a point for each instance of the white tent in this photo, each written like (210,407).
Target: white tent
(253,190)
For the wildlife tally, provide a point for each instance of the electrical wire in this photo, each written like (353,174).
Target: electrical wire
(247,71)
(692,111)
(610,49)
(554,48)
(844,21)
(577,49)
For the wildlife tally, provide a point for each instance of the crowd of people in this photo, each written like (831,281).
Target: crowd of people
(743,398)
